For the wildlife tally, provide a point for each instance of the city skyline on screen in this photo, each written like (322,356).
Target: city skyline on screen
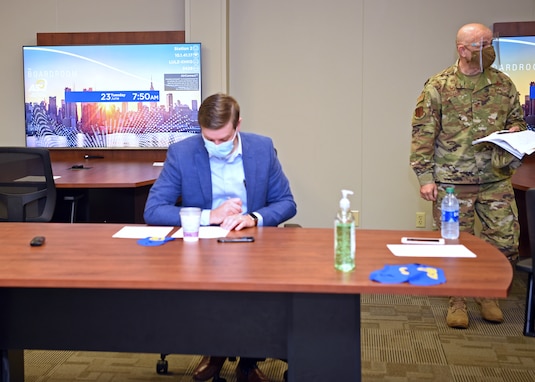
(78,96)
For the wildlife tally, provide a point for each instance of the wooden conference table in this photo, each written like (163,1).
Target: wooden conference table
(524,179)
(112,191)
(277,297)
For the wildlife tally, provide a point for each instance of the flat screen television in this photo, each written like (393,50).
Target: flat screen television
(515,56)
(111,96)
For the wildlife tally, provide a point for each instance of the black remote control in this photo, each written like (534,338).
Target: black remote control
(37,241)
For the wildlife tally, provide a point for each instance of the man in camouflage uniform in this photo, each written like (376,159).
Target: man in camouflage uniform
(467,101)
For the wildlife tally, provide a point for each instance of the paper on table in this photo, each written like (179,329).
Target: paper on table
(31,178)
(35,178)
(415,250)
(136,232)
(208,232)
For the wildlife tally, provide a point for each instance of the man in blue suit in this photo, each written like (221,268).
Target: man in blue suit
(237,181)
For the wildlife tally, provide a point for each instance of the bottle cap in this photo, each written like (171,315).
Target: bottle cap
(450,189)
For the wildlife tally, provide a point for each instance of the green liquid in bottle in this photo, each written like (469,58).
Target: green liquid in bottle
(344,246)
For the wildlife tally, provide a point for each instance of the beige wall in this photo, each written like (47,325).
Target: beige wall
(332,82)
(335,82)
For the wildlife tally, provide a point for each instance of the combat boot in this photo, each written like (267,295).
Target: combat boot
(490,310)
(457,315)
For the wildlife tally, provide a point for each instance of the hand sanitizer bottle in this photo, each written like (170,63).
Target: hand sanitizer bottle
(344,236)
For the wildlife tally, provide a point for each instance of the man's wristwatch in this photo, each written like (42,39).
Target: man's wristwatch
(255,219)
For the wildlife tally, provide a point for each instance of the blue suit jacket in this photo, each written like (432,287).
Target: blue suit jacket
(186,174)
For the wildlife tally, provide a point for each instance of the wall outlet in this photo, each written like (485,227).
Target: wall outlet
(356,217)
(420,219)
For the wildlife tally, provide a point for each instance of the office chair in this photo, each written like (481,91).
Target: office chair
(526,265)
(73,199)
(27,188)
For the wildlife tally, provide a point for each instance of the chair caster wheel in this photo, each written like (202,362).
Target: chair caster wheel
(162,366)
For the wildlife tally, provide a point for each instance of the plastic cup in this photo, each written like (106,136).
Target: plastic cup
(191,221)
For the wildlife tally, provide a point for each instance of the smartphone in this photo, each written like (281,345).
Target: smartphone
(241,239)
(422,240)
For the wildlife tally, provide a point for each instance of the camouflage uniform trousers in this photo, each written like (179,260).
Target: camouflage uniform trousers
(495,206)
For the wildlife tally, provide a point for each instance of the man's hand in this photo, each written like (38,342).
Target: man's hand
(429,192)
(229,207)
(238,222)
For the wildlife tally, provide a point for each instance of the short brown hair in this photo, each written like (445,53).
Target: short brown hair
(217,110)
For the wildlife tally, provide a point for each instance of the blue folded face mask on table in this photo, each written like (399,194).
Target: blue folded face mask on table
(392,274)
(415,274)
(154,241)
(427,275)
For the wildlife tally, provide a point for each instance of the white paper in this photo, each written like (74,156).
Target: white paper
(32,178)
(35,178)
(208,232)
(438,250)
(137,232)
(517,143)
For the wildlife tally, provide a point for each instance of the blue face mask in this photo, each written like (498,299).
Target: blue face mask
(221,150)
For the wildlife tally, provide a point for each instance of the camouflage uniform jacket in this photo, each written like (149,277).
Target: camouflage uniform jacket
(450,114)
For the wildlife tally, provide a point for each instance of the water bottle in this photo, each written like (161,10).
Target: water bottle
(344,236)
(450,215)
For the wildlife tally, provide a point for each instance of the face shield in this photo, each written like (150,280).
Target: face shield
(483,55)
(496,45)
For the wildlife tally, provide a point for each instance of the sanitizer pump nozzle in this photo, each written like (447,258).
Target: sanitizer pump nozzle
(344,202)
